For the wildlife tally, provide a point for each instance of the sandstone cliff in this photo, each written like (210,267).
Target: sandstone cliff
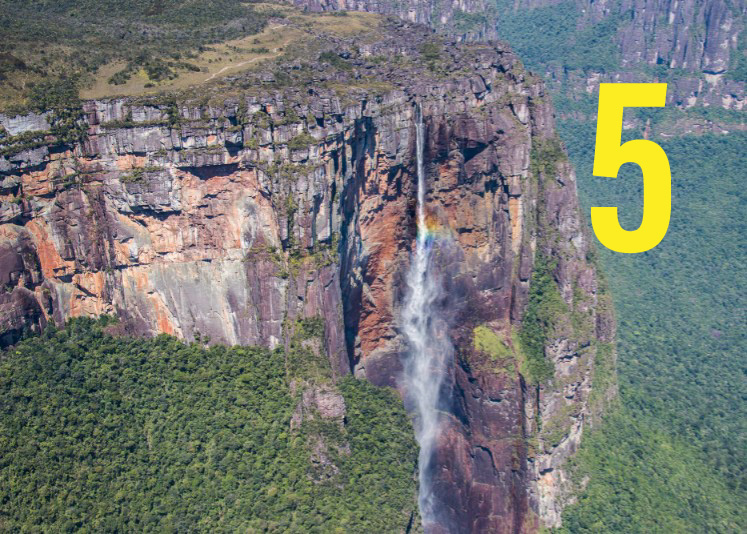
(464,18)
(700,43)
(289,193)
(696,46)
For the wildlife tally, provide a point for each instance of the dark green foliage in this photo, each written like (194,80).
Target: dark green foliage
(103,434)
(604,373)
(10,63)
(383,450)
(738,70)
(681,343)
(643,480)
(157,69)
(306,359)
(301,141)
(430,52)
(335,60)
(546,154)
(544,308)
(24,141)
(311,327)
(466,22)
(538,35)
(54,94)
(549,35)
(121,77)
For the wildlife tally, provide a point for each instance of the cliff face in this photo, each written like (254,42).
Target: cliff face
(463,18)
(234,216)
(702,40)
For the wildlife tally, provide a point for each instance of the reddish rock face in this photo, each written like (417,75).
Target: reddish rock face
(492,210)
(212,225)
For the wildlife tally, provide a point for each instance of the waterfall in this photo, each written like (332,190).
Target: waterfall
(428,348)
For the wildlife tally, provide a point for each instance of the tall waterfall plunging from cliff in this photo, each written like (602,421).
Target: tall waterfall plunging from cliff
(429,349)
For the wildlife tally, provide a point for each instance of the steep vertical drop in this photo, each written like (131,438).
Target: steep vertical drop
(429,350)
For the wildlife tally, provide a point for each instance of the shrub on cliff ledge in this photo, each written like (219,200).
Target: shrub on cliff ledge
(501,357)
(301,141)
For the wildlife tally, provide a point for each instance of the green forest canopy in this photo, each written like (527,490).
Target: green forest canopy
(103,434)
(672,457)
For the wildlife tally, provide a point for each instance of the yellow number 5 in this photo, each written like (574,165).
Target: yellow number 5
(609,156)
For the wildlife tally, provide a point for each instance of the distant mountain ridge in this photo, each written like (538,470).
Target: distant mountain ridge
(698,47)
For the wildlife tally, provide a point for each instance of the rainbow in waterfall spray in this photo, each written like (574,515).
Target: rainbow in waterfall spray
(429,351)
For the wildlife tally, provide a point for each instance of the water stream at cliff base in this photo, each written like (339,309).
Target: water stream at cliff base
(428,348)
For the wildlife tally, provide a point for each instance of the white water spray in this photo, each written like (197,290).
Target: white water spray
(429,349)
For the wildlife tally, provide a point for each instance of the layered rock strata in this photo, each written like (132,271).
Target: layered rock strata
(700,44)
(288,194)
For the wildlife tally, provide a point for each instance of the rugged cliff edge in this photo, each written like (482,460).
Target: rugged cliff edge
(697,47)
(289,193)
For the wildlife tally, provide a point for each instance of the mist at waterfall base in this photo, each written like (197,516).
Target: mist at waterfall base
(429,350)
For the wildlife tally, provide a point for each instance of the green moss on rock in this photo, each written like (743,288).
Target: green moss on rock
(544,311)
(502,359)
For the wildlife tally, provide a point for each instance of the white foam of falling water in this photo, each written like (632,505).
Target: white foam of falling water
(429,349)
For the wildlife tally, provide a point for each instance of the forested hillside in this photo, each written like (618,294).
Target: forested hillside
(105,434)
(697,47)
(672,457)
